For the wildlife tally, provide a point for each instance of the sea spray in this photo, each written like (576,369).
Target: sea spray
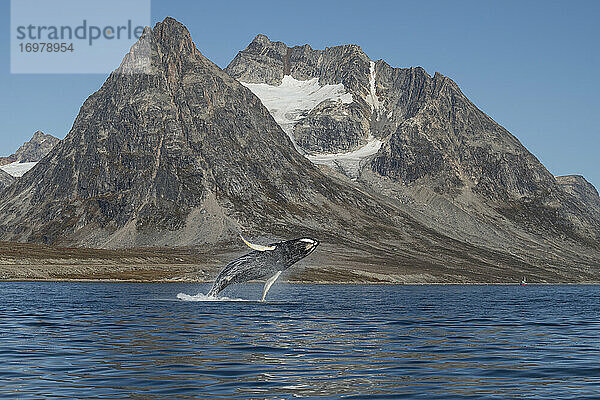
(204,297)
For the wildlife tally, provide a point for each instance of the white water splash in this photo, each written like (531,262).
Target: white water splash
(203,297)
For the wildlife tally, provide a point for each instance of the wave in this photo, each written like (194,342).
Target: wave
(203,297)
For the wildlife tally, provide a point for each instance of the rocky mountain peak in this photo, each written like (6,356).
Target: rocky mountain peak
(38,136)
(261,40)
(33,150)
(168,42)
(175,36)
(178,154)
(404,129)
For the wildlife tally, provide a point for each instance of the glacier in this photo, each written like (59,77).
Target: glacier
(290,101)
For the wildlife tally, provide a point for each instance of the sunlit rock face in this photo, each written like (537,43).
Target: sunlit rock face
(36,149)
(5,179)
(584,191)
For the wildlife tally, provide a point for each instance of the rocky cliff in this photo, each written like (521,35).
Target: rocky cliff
(580,188)
(5,179)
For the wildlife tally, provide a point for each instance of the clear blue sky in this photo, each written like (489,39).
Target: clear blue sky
(531,65)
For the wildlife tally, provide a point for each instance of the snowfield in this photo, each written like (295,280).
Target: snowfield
(289,101)
(348,162)
(293,99)
(372,99)
(17,169)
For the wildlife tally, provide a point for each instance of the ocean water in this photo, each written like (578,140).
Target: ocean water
(139,341)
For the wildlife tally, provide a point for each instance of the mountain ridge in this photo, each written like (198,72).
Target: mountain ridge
(97,177)
(432,134)
(33,150)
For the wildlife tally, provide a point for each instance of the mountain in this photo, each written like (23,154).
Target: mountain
(28,154)
(173,151)
(33,150)
(36,148)
(176,155)
(402,131)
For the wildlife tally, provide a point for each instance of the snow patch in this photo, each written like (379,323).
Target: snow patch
(348,162)
(372,99)
(289,102)
(292,99)
(17,169)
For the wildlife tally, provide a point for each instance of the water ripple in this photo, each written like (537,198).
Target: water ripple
(140,341)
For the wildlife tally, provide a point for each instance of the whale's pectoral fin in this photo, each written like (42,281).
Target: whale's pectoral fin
(269,283)
(257,246)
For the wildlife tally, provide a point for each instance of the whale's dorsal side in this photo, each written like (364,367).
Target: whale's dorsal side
(257,246)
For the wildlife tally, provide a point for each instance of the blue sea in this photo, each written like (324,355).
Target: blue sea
(142,341)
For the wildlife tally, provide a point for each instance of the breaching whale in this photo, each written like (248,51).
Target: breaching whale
(264,261)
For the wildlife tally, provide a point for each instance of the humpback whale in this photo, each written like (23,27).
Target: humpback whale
(262,262)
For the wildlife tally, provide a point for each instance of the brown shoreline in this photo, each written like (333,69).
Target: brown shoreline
(332,264)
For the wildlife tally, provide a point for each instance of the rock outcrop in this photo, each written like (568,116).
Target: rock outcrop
(584,191)
(5,180)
